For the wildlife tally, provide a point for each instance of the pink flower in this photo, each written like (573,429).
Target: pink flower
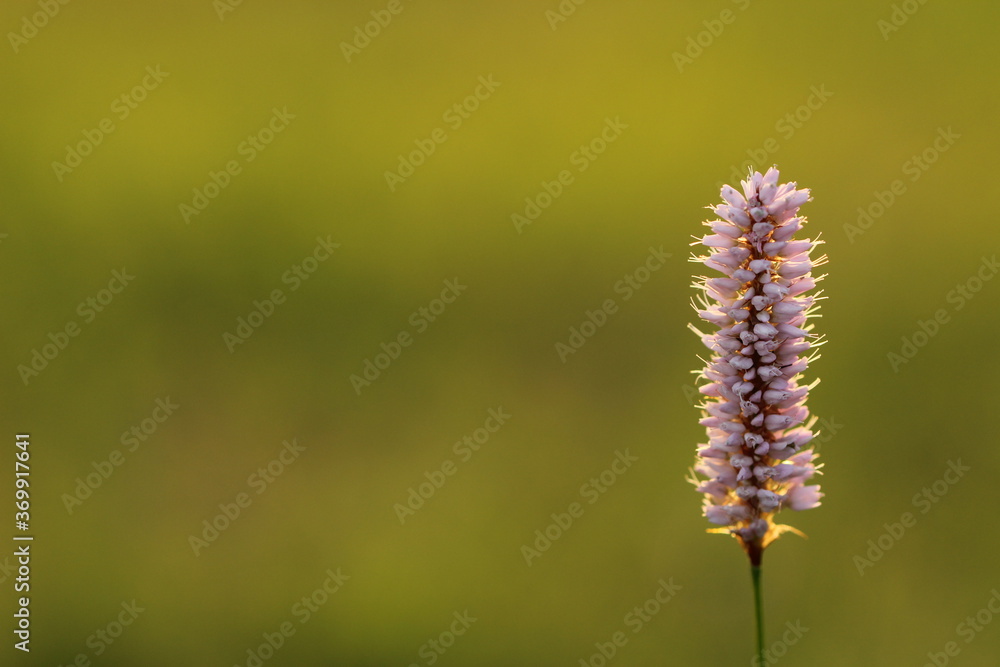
(802,497)
(756,463)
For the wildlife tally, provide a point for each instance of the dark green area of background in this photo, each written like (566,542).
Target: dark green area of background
(890,432)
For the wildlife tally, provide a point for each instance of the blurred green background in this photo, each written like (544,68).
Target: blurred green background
(890,429)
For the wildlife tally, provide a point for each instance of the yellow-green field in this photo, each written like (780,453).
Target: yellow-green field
(325,320)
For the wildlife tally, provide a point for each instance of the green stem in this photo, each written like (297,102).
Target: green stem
(759,607)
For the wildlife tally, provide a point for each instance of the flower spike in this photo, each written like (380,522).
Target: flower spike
(756,461)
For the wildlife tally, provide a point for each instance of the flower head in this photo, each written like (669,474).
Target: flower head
(755,462)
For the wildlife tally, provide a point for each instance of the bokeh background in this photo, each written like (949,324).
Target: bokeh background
(890,430)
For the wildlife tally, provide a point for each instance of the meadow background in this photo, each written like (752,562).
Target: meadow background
(844,104)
